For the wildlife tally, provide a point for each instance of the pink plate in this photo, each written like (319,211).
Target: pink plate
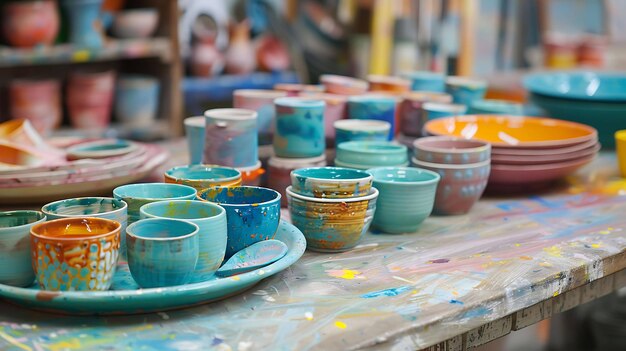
(520,174)
(544,159)
(543,152)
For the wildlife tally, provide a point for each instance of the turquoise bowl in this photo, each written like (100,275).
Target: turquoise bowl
(252,213)
(299,131)
(16,267)
(162,252)
(374,107)
(371,153)
(137,195)
(465,90)
(495,107)
(407,197)
(211,220)
(581,85)
(426,81)
(330,182)
(359,129)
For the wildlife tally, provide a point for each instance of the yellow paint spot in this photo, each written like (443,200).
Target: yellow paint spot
(595,246)
(604,232)
(556,293)
(554,251)
(308,316)
(340,325)
(414,292)
(455,293)
(235,278)
(525,258)
(518,245)
(609,228)
(81,55)
(345,274)
(14,342)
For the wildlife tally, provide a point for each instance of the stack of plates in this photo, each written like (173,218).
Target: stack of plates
(525,150)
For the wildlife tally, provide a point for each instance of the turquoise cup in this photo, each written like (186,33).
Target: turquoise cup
(426,81)
(434,110)
(299,129)
(465,90)
(137,195)
(406,197)
(162,252)
(376,107)
(496,107)
(194,130)
(212,236)
(359,129)
(16,267)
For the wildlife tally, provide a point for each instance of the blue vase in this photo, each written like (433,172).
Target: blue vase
(84,18)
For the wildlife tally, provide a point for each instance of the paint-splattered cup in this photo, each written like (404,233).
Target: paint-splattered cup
(451,150)
(411,115)
(162,252)
(137,195)
(330,182)
(16,268)
(75,253)
(202,177)
(253,214)
(299,131)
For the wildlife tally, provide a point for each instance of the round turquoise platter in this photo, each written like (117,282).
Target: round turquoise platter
(125,297)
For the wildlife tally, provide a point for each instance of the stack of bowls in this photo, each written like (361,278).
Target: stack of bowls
(202,177)
(527,151)
(369,154)
(333,207)
(463,166)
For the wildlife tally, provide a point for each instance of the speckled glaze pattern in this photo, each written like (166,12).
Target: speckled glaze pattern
(137,195)
(299,128)
(377,107)
(330,182)
(231,137)
(202,177)
(79,254)
(451,150)
(261,101)
(252,213)
(211,221)
(332,226)
(16,268)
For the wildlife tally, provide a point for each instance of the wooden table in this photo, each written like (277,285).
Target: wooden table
(458,282)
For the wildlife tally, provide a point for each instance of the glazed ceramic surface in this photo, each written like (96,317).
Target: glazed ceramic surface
(137,100)
(203,176)
(16,268)
(336,110)
(261,101)
(279,169)
(135,23)
(299,128)
(38,101)
(137,195)
(538,173)
(451,150)
(465,90)
(434,110)
(406,197)
(620,149)
(252,176)
(252,213)
(547,158)
(231,137)
(253,257)
(332,225)
(460,186)
(212,234)
(100,149)
(162,252)
(358,129)
(426,81)
(330,182)
(371,153)
(296,89)
(411,115)
(498,107)
(388,83)
(513,131)
(343,85)
(194,131)
(376,107)
(75,253)
(30,23)
(84,18)
(582,85)
(125,298)
(89,97)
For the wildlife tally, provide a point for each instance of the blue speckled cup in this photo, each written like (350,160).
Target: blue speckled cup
(426,81)
(465,90)
(194,130)
(299,130)
(162,252)
(211,220)
(330,182)
(252,213)
(377,107)
(137,195)
(16,268)
(370,154)
(231,137)
(358,129)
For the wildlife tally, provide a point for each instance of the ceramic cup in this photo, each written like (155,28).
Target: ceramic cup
(299,131)
(388,83)
(252,213)
(332,225)
(194,130)
(330,182)
(361,154)
(620,149)
(465,90)
(75,253)
(137,100)
(203,176)
(411,114)
(451,150)
(376,107)
(231,137)
(279,170)
(343,85)
(426,81)
(211,221)
(16,268)
(137,195)
(460,186)
(261,101)
(336,109)
(433,110)
(406,197)
(359,129)
(162,252)
(293,89)
(252,175)
(496,107)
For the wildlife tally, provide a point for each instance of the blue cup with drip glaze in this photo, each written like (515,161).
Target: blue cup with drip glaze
(426,81)
(434,110)
(231,138)
(466,90)
(162,252)
(252,213)
(376,107)
(299,128)
(16,267)
(212,235)
(194,131)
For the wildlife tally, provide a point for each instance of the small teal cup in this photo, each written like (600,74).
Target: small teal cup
(212,235)
(253,214)
(407,197)
(194,130)
(465,90)
(16,267)
(497,107)
(426,81)
(137,195)
(358,129)
(371,153)
(434,110)
(299,130)
(376,107)
(162,252)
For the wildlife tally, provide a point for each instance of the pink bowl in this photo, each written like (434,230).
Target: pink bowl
(450,150)
(496,150)
(544,159)
(343,85)
(528,174)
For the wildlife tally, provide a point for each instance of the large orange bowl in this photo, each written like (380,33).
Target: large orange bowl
(513,131)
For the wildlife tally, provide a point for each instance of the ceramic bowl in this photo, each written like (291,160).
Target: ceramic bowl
(529,160)
(426,81)
(211,220)
(16,268)
(203,176)
(137,195)
(252,176)
(338,163)
(100,149)
(75,253)
(162,252)
(361,129)
(465,90)
(435,110)
(135,23)
(460,186)
(513,131)
(371,153)
(252,213)
(194,131)
(343,85)
(388,83)
(332,225)
(411,115)
(581,85)
(451,150)
(534,174)
(551,151)
(279,172)
(406,197)
(497,107)
(330,182)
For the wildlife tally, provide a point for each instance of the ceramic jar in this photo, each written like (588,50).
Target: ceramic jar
(194,132)
(137,100)
(240,56)
(16,268)
(85,24)
(38,101)
(89,99)
(30,23)
(376,107)
(231,137)
(135,23)
(261,101)
(425,81)
(299,131)
(411,113)
(280,172)
(465,90)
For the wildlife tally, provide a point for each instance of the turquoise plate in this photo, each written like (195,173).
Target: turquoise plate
(126,298)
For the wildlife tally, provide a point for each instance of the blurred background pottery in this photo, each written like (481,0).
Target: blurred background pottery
(85,24)
(465,90)
(27,24)
(231,137)
(137,100)
(240,56)
(375,107)
(202,177)
(497,107)
(271,54)
(16,268)
(388,83)
(296,89)
(194,132)
(451,150)
(38,101)
(411,115)
(137,195)
(89,99)
(261,101)
(343,85)
(299,128)
(135,23)
(426,81)
(361,130)
(330,182)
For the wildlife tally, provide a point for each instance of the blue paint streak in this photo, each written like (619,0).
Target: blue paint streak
(387,292)
(456,302)
(478,312)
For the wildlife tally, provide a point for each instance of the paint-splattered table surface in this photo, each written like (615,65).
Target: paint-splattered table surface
(407,291)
